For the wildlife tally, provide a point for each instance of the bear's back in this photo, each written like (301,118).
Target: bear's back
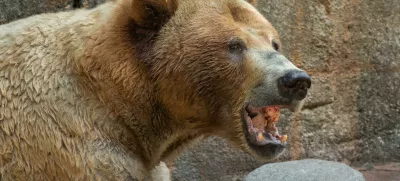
(37,54)
(40,52)
(41,102)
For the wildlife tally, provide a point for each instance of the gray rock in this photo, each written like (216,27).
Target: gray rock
(305,170)
(92,3)
(378,100)
(320,94)
(11,10)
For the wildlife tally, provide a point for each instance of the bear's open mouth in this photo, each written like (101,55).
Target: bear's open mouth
(260,124)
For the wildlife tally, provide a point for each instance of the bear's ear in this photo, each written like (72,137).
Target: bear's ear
(253,2)
(152,13)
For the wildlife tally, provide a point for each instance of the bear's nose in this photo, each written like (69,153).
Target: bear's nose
(294,84)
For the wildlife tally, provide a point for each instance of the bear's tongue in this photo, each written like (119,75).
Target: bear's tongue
(263,123)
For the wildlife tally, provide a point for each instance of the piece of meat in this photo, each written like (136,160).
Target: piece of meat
(271,113)
(283,138)
(264,122)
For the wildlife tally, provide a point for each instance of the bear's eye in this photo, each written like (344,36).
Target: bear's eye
(236,46)
(275,45)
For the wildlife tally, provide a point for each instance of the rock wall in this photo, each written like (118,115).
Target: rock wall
(15,9)
(352,51)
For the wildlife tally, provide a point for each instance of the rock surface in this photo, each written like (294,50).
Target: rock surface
(15,9)
(305,170)
(350,49)
(11,10)
(213,159)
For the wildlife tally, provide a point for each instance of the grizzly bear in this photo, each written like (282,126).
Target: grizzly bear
(114,92)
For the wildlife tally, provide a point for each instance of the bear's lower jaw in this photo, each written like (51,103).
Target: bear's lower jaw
(260,132)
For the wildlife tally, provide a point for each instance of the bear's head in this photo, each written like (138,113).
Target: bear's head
(217,69)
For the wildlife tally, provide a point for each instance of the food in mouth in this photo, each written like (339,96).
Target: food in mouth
(261,125)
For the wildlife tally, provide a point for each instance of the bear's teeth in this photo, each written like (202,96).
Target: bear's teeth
(283,138)
(260,136)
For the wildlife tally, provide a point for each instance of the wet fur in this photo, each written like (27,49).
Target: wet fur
(103,94)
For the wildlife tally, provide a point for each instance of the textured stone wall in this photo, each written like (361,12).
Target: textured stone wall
(351,48)
(15,9)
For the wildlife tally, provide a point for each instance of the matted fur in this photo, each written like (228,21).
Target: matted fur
(109,93)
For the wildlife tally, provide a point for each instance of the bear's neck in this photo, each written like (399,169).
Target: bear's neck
(116,78)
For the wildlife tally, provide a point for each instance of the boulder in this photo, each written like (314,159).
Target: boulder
(305,170)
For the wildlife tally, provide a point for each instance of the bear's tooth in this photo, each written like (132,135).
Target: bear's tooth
(260,136)
(283,138)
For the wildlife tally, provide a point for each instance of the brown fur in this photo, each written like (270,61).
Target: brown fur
(111,92)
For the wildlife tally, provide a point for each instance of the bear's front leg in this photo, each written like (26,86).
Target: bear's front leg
(160,173)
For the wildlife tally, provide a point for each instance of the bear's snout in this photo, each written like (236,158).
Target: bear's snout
(294,85)
(280,82)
